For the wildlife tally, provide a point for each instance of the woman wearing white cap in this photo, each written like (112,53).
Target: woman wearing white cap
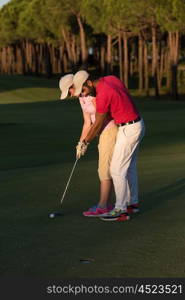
(107,139)
(64,84)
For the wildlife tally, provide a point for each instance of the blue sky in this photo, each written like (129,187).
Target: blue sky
(2,2)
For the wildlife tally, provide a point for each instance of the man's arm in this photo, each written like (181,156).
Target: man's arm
(96,127)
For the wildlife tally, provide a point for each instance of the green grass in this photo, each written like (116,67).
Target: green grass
(38,138)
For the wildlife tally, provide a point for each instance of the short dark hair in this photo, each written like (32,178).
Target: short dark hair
(92,77)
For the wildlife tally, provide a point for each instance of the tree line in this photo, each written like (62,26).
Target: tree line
(137,39)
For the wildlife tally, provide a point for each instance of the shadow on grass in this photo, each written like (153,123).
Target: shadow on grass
(159,197)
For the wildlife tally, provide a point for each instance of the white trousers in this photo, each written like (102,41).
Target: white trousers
(123,166)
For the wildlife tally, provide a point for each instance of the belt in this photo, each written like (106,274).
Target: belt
(130,122)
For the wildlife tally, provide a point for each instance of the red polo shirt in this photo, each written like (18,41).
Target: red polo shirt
(113,97)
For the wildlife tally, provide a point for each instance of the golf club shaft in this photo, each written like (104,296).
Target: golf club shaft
(68,181)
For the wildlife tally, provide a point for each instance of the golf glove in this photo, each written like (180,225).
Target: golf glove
(81,149)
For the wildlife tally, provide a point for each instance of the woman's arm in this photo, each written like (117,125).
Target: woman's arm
(86,126)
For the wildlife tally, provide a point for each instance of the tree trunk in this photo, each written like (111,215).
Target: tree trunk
(168,71)
(65,64)
(132,58)
(125,40)
(109,54)
(83,43)
(0,60)
(102,58)
(36,67)
(161,69)
(74,49)
(140,63)
(54,59)
(174,53)
(19,60)
(27,57)
(47,56)
(68,48)
(9,60)
(61,51)
(23,58)
(154,59)
(146,69)
(41,58)
(155,71)
(120,56)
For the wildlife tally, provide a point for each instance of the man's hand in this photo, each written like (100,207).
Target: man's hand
(81,149)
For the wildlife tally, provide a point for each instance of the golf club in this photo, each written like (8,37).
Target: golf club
(57,213)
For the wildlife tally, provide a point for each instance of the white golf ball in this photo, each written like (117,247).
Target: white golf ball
(51,215)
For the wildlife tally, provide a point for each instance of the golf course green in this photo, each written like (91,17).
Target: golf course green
(38,138)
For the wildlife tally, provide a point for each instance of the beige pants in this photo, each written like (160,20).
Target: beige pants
(123,165)
(106,145)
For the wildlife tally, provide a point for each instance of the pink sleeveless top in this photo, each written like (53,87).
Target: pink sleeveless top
(88,106)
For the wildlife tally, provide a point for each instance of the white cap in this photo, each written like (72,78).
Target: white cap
(78,80)
(64,84)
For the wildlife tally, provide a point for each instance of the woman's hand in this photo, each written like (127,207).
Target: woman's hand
(81,149)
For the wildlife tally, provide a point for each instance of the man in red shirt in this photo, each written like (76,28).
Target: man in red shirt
(112,97)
